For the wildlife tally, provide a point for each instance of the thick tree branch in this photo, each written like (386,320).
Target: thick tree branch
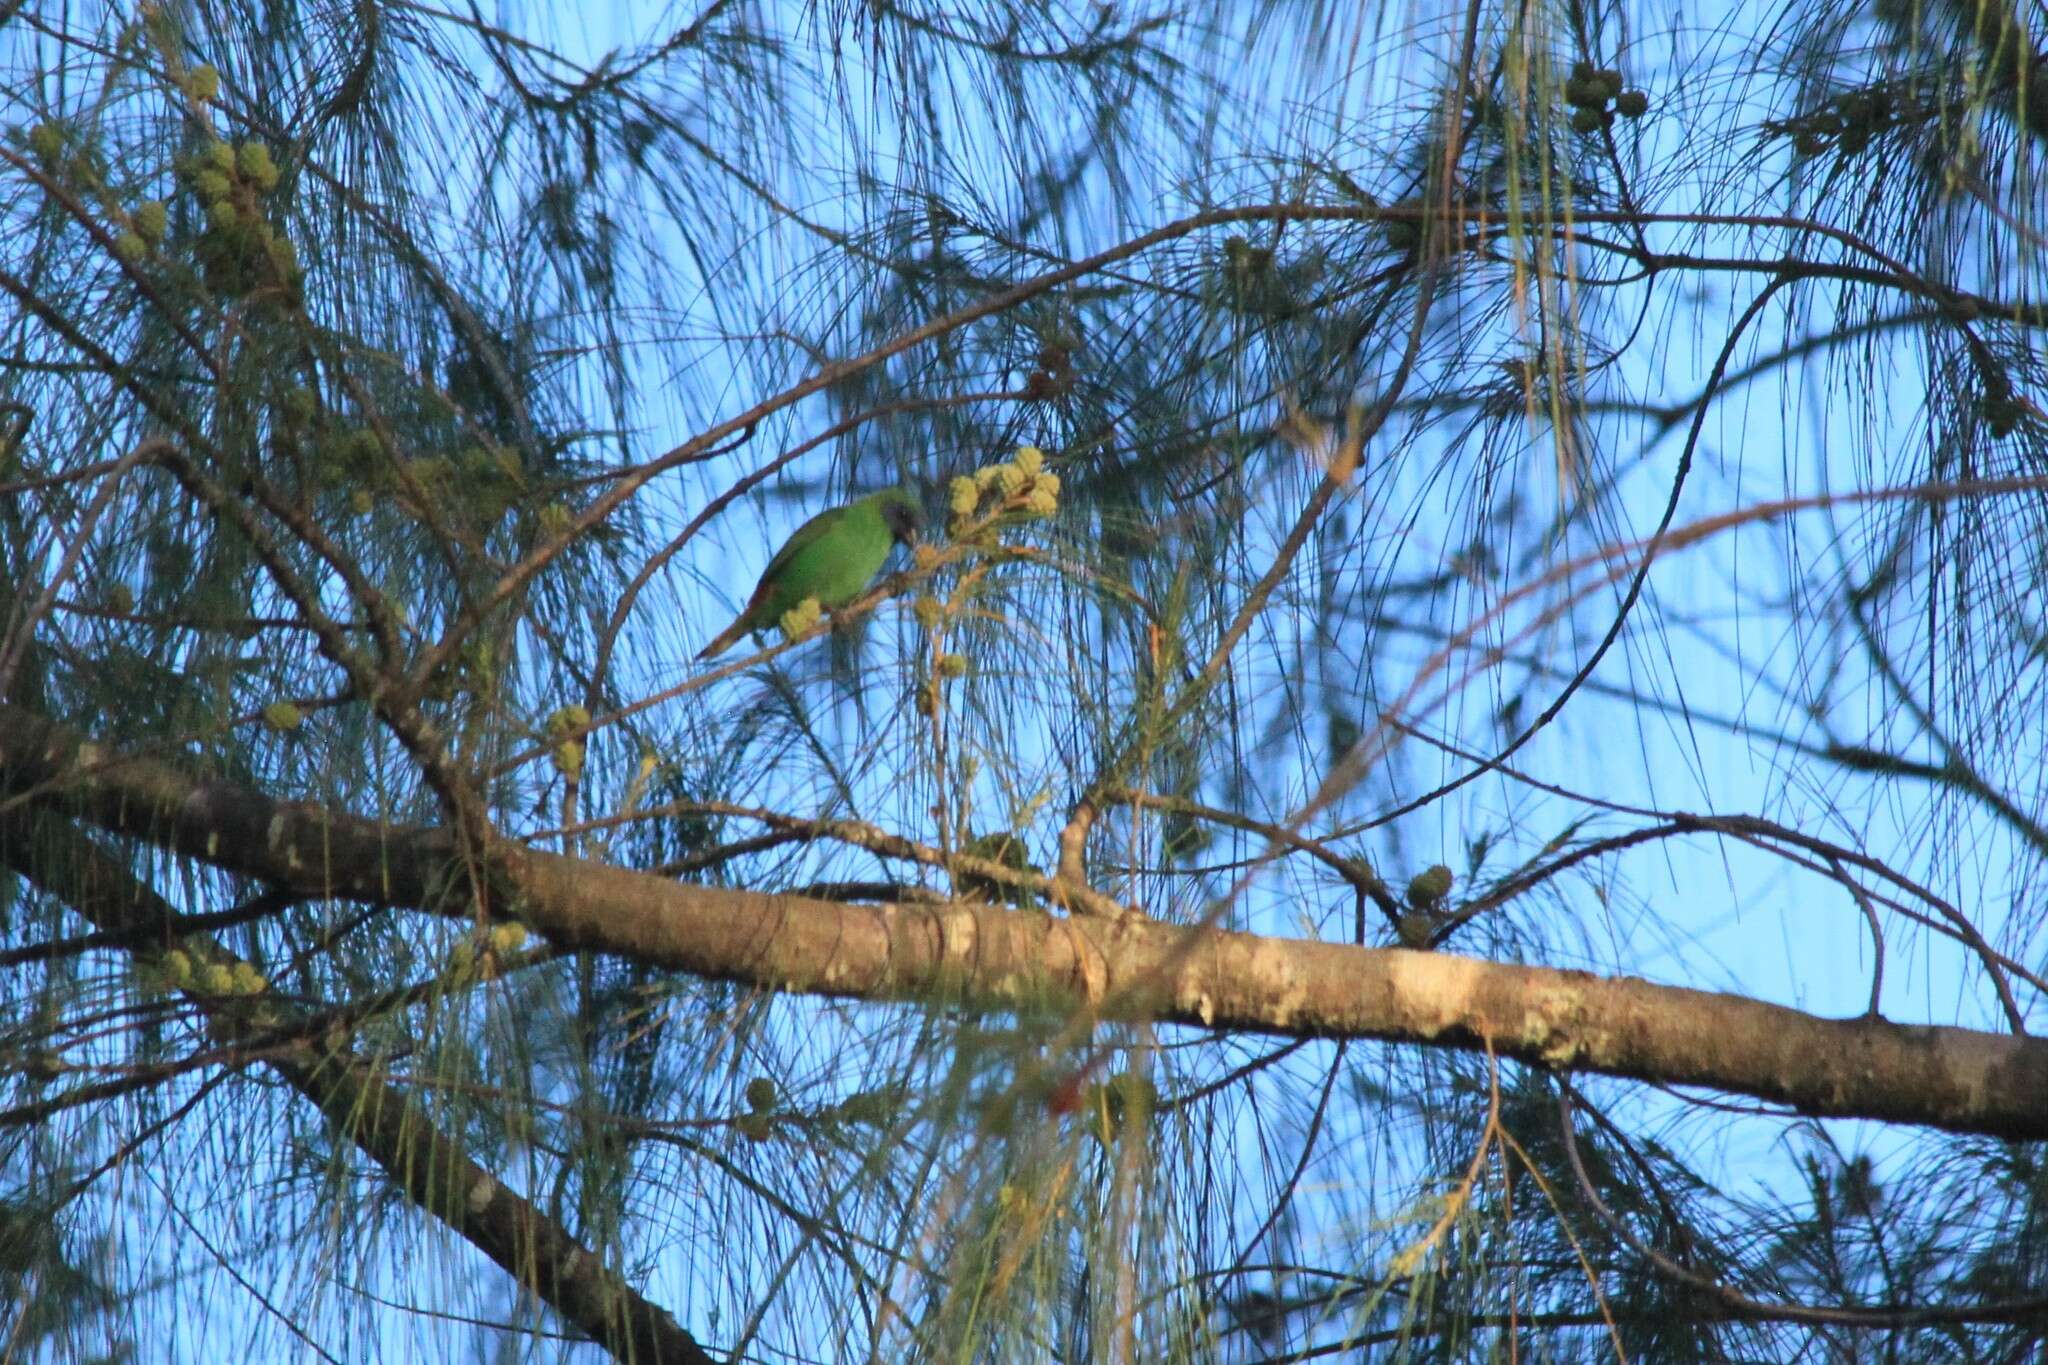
(1957,1079)
(379,1118)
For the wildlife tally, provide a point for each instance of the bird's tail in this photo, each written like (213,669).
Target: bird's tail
(724,641)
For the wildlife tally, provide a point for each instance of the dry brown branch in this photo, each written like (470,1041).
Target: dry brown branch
(1958,1079)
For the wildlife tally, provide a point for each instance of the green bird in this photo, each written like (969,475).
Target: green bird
(831,557)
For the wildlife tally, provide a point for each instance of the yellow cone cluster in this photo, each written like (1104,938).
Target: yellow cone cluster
(70,155)
(182,971)
(564,727)
(801,618)
(1020,485)
(240,252)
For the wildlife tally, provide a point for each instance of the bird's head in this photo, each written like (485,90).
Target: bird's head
(901,514)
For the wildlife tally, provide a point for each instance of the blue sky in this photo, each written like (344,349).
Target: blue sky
(1715,638)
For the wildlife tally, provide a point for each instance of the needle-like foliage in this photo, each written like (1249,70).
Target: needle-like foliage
(1470,685)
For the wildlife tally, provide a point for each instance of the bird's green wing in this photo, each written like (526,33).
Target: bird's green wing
(831,557)
(801,537)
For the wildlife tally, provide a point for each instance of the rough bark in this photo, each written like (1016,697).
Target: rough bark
(1958,1079)
(379,1118)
